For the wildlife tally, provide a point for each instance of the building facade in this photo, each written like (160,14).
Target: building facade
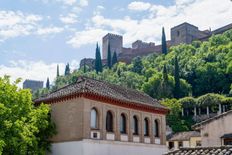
(216,131)
(32,84)
(183,139)
(94,117)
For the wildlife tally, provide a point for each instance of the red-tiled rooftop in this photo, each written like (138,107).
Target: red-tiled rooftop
(103,89)
(182,136)
(223,150)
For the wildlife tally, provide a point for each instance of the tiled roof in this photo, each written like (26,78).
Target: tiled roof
(228,135)
(223,150)
(104,89)
(196,126)
(182,136)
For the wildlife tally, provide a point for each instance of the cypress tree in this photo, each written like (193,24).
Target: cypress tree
(109,63)
(177,79)
(164,43)
(114,59)
(98,62)
(165,75)
(48,84)
(67,69)
(84,66)
(57,71)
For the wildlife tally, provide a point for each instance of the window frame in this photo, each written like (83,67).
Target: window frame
(109,125)
(123,124)
(95,126)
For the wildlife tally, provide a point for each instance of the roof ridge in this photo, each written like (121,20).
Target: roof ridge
(108,83)
(212,118)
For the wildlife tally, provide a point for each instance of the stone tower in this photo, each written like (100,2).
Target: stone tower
(115,44)
(184,33)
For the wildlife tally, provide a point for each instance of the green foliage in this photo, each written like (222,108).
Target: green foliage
(177,80)
(25,129)
(114,59)
(57,71)
(48,84)
(84,68)
(137,65)
(164,43)
(209,99)
(174,119)
(157,87)
(67,69)
(188,102)
(98,62)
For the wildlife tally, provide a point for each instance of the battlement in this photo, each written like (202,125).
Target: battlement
(138,44)
(115,42)
(112,35)
(32,84)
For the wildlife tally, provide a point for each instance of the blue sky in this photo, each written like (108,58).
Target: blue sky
(36,35)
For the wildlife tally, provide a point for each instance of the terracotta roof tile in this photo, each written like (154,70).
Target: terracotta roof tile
(181,136)
(223,150)
(104,89)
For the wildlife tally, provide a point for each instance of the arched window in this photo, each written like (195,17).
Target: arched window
(146,127)
(123,123)
(156,128)
(135,126)
(109,122)
(94,118)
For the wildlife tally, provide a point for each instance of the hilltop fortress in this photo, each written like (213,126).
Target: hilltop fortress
(184,33)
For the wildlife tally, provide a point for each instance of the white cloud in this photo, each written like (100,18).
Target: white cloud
(17,23)
(100,7)
(84,3)
(38,70)
(89,36)
(69,19)
(139,6)
(49,30)
(67,2)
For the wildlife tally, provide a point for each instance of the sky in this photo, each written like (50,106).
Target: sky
(36,35)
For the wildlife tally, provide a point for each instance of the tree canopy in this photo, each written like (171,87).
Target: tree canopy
(25,128)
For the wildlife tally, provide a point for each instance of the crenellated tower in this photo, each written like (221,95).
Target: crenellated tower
(115,42)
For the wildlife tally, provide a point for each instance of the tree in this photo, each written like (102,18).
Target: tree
(165,74)
(48,84)
(84,65)
(157,88)
(109,63)
(25,128)
(164,43)
(137,65)
(177,80)
(98,62)
(57,71)
(67,70)
(114,59)
(174,119)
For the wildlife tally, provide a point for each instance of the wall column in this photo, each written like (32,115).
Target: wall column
(207,110)
(199,110)
(223,108)
(195,111)
(219,109)
(182,112)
